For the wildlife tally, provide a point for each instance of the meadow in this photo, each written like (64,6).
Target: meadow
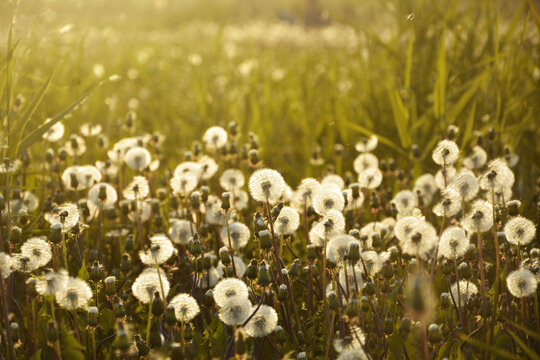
(269,179)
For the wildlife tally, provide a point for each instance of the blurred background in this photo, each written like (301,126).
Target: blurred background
(303,75)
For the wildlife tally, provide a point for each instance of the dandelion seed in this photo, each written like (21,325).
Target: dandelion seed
(445,153)
(519,231)
(228,288)
(235,310)
(239,233)
(266,185)
(185,307)
(521,283)
(263,322)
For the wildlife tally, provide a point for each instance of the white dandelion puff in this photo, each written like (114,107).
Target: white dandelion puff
(328,198)
(137,158)
(161,249)
(519,231)
(228,288)
(231,179)
(266,185)
(370,178)
(263,322)
(445,153)
(466,291)
(147,284)
(185,307)
(480,218)
(235,310)
(181,231)
(365,161)
(215,138)
(366,144)
(287,221)
(74,295)
(138,188)
(239,233)
(476,159)
(521,283)
(453,243)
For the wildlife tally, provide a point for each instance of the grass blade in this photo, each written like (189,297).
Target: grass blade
(530,353)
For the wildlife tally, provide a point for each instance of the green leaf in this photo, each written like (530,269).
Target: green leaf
(526,349)
(498,352)
(18,128)
(37,355)
(107,320)
(535,15)
(401,118)
(36,135)
(83,272)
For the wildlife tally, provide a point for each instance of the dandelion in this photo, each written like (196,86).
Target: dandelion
(519,231)
(352,203)
(214,214)
(189,167)
(445,153)
(184,184)
(76,146)
(209,278)
(465,184)
(89,130)
(263,322)
(351,277)
(120,149)
(480,218)
(55,132)
(38,250)
(372,261)
(287,221)
(74,295)
(215,138)
(355,340)
(416,237)
(405,201)
(366,144)
(137,158)
(368,231)
(328,199)
(365,161)
(28,202)
(52,282)
(66,214)
(427,186)
(239,233)
(241,199)
(266,185)
(5,265)
(305,193)
(332,223)
(23,264)
(521,283)
(239,265)
(181,231)
(10,167)
(370,178)
(161,249)
(497,175)
(148,283)
(337,248)
(476,159)
(102,195)
(466,291)
(81,176)
(454,242)
(235,310)
(208,167)
(228,288)
(499,195)
(450,204)
(185,307)
(232,179)
(333,179)
(353,354)
(138,188)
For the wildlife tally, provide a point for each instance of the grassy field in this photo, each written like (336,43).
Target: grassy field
(305,81)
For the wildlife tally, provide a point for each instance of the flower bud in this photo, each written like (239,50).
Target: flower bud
(96,272)
(52,332)
(264,238)
(295,268)
(311,252)
(93,316)
(434,334)
(251,270)
(282,292)
(170,316)
(226,201)
(56,233)
(224,256)
(240,346)
(388,325)
(464,271)
(445,301)
(364,303)
(208,299)
(354,252)
(405,327)
(110,285)
(176,351)
(157,305)
(352,308)
(264,278)
(369,288)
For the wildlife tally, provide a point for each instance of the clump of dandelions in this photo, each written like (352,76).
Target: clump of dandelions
(228,288)
(266,185)
(453,243)
(185,307)
(147,284)
(263,322)
(74,295)
(519,231)
(161,249)
(235,310)
(521,283)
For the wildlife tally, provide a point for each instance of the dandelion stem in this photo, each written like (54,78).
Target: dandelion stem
(9,339)
(149,322)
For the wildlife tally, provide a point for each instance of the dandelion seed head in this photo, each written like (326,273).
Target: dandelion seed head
(332,223)
(450,204)
(5,265)
(76,146)
(416,237)
(55,132)
(450,172)
(521,283)
(480,218)
(239,265)
(147,284)
(370,178)
(138,188)
(137,158)
(305,193)
(52,282)
(333,179)
(161,249)
(38,250)
(466,291)
(337,248)
(366,144)
(228,288)
(232,179)
(519,231)
(405,201)
(266,185)
(181,231)
(476,159)
(263,322)
(465,184)
(209,167)
(74,295)
(215,138)
(454,242)
(372,261)
(328,198)
(239,233)
(287,221)
(185,307)
(235,310)
(95,195)
(189,167)
(365,161)
(183,184)
(66,215)
(445,153)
